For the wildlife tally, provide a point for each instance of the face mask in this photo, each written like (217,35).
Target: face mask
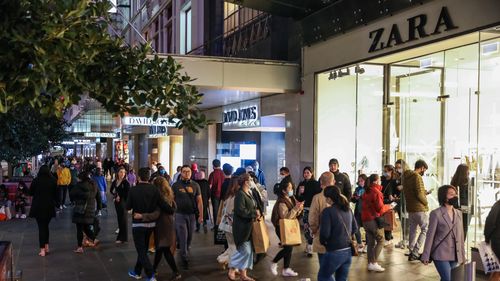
(290,193)
(162,172)
(453,202)
(385,174)
(252,184)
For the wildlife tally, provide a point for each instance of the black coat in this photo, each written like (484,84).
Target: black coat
(86,192)
(244,214)
(44,192)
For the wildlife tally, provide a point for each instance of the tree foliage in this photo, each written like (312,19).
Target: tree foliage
(26,132)
(53,51)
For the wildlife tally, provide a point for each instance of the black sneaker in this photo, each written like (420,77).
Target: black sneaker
(185,264)
(413,257)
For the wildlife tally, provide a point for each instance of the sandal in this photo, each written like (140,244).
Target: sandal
(231,278)
(79,250)
(42,253)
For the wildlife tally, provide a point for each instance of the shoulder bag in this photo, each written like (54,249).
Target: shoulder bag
(350,238)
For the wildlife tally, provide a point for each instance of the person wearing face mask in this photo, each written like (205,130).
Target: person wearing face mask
(444,244)
(305,193)
(286,207)
(373,207)
(416,206)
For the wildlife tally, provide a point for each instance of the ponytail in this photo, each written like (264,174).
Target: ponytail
(339,200)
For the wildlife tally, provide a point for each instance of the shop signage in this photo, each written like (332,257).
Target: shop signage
(417,28)
(145,121)
(157,131)
(100,135)
(242,115)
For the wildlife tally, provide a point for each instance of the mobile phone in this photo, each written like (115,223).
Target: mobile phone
(393,204)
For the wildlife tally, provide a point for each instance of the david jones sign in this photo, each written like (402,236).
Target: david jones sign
(247,116)
(417,28)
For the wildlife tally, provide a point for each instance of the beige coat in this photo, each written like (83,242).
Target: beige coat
(452,247)
(317,206)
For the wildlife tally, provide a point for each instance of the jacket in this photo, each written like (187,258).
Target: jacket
(311,188)
(244,214)
(63,176)
(414,192)
(285,208)
(373,203)
(452,246)
(44,192)
(492,225)
(165,226)
(86,193)
(334,234)
(342,181)
(216,178)
(318,204)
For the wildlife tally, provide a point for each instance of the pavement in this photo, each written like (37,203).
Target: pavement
(110,261)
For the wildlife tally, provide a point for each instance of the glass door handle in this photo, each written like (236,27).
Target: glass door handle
(442,98)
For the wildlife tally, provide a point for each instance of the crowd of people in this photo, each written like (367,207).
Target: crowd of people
(166,211)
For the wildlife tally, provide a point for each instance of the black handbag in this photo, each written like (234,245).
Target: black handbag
(219,236)
(381,222)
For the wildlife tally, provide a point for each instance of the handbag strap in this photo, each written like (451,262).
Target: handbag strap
(345,227)
(437,246)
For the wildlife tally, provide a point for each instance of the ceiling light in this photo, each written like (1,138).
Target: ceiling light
(359,70)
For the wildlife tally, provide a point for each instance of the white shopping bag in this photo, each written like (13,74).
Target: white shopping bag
(490,261)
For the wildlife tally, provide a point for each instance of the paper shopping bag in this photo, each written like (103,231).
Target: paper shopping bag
(290,232)
(260,237)
(489,259)
(390,219)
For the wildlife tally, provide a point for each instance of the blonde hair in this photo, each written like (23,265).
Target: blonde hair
(165,189)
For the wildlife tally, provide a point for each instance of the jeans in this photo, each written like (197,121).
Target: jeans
(374,240)
(43,231)
(335,266)
(184,227)
(444,269)
(141,241)
(420,219)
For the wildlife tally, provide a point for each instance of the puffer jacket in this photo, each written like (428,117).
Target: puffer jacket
(63,176)
(414,192)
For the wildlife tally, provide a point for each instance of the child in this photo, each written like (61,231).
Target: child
(21,199)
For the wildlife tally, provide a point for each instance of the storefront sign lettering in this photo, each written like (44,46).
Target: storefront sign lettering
(157,131)
(100,135)
(243,115)
(416,29)
(144,121)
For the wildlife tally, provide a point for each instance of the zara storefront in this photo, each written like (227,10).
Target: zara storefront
(421,84)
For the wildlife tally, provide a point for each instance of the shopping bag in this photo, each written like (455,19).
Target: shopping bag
(290,232)
(465,271)
(490,261)
(219,236)
(390,220)
(260,237)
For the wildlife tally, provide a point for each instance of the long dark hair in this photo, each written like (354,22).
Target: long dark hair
(310,169)
(371,179)
(233,187)
(460,177)
(44,172)
(339,200)
(285,182)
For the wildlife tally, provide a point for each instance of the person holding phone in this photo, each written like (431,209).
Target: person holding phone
(305,193)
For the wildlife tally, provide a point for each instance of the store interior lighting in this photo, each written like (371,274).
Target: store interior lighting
(359,70)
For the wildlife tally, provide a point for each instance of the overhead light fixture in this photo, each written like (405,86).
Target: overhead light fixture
(333,75)
(491,48)
(346,73)
(359,70)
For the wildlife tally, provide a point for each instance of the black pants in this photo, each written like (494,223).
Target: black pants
(388,235)
(285,253)
(121,214)
(63,190)
(495,246)
(141,240)
(43,231)
(215,208)
(168,256)
(83,228)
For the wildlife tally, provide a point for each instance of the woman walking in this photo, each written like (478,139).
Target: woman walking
(119,189)
(286,207)
(372,209)
(165,227)
(336,237)
(245,212)
(444,243)
(227,221)
(45,199)
(460,180)
(305,193)
(86,196)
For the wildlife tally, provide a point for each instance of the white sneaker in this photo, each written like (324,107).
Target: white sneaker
(117,231)
(375,267)
(288,272)
(17,216)
(64,206)
(23,216)
(274,269)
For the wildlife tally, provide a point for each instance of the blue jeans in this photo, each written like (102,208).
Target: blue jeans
(335,266)
(444,269)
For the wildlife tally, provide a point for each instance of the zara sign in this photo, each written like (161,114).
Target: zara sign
(416,27)
(241,115)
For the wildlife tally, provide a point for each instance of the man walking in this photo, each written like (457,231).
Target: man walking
(341,180)
(189,207)
(143,198)
(215,180)
(416,205)
(318,204)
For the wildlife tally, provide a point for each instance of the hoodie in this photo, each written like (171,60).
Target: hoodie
(414,192)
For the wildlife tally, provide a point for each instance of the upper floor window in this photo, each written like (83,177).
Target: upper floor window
(186,20)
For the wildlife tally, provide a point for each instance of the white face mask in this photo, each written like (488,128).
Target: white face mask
(252,184)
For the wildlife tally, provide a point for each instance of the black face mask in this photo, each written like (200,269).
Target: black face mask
(454,202)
